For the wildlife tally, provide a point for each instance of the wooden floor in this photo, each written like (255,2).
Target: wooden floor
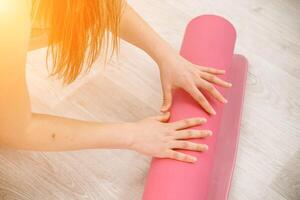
(268,164)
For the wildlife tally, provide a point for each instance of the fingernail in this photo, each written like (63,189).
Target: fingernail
(225,101)
(213,112)
(163,108)
(165,113)
(205,147)
(202,119)
(194,159)
(229,84)
(209,133)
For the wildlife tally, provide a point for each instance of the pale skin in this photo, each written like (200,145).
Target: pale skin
(20,128)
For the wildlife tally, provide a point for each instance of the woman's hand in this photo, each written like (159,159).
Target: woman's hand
(177,72)
(154,137)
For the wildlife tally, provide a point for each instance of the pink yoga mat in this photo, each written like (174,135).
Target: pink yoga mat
(209,41)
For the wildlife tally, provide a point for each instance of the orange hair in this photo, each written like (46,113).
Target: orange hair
(78,32)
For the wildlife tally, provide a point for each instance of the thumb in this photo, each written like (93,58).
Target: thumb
(167,99)
(162,117)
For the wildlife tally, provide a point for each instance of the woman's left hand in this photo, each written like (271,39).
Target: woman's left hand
(177,72)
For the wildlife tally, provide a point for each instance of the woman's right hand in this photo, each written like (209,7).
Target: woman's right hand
(153,136)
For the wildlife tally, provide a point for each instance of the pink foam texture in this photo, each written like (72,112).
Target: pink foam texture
(209,41)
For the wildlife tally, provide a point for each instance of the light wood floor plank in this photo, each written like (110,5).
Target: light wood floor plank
(129,89)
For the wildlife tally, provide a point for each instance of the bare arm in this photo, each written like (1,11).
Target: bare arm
(175,71)
(136,31)
(21,129)
(53,133)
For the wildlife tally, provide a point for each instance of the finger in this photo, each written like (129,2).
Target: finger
(211,89)
(167,99)
(214,79)
(186,145)
(162,117)
(211,70)
(190,134)
(200,98)
(181,156)
(186,123)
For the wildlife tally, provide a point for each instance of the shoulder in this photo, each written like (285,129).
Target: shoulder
(14,38)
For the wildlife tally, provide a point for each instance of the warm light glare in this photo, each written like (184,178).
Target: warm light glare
(5,5)
(11,7)
(78,32)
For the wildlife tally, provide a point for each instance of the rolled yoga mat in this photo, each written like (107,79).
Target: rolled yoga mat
(209,41)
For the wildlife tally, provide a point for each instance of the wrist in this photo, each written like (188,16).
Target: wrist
(128,138)
(115,136)
(161,52)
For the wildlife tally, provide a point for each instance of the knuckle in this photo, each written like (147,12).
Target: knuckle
(190,82)
(201,120)
(208,76)
(169,133)
(200,97)
(179,156)
(213,78)
(169,145)
(187,122)
(185,78)
(195,73)
(189,133)
(175,155)
(198,133)
(165,141)
(185,145)
(210,87)
(168,154)
(194,133)
(195,147)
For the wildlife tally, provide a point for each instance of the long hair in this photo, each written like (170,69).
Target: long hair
(78,31)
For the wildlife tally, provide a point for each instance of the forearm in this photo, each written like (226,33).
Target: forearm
(52,133)
(136,31)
